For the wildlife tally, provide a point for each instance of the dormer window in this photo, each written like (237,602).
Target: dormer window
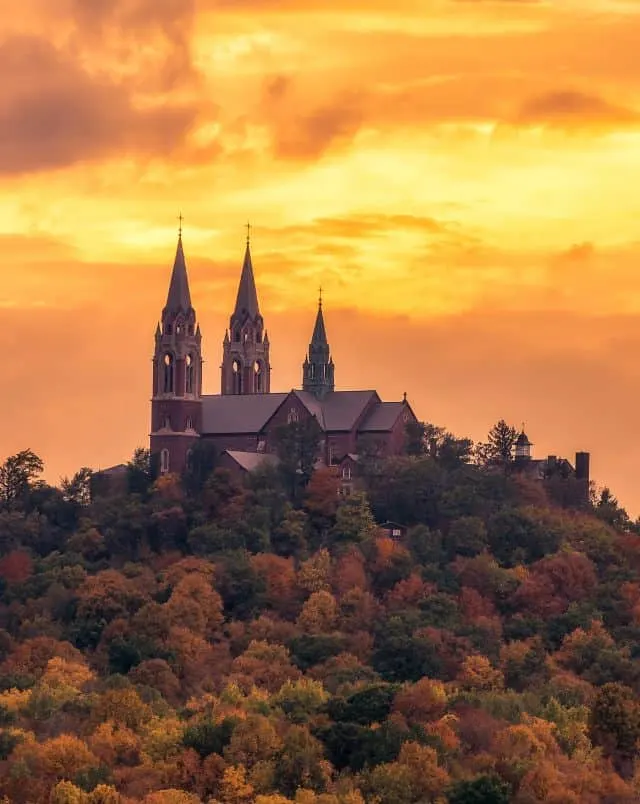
(346,473)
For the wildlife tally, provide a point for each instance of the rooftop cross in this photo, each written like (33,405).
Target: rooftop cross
(320,296)
(248,232)
(180,219)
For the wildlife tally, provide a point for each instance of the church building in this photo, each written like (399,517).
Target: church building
(242,419)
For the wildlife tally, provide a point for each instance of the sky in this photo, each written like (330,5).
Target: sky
(462,177)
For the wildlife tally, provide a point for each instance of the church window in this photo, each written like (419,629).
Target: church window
(189,459)
(164,461)
(189,423)
(261,445)
(332,457)
(236,377)
(292,416)
(236,335)
(312,370)
(258,337)
(257,370)
(346,473)
(168,374)
(189,374)
(166,423)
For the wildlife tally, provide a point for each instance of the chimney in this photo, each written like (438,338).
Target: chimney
(582,465)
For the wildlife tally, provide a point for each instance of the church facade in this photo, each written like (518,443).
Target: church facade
(241,421)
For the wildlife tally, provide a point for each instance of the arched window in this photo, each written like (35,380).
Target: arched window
(257,370)
(166,423)
(179,326)
(188,425)
(346,473)
(292,416)
(236,379)
(189,374)
(164,461)
(168,374)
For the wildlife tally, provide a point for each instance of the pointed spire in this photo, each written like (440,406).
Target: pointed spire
(247,298)
(319,337)
(179,297)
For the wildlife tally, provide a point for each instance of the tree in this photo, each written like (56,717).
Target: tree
(201,464)
(142,471)
(297,446)
(614,724)
(17,476)
(481,790)
(77,490)
(498,451)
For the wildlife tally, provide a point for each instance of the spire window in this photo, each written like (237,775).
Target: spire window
(168,373)
(189,376)
(164,461)
(236,377)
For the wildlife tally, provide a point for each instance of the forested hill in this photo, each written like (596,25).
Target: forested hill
(205,639)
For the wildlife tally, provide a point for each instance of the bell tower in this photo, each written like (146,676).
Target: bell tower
(318,367)
(245,365)
(176,404)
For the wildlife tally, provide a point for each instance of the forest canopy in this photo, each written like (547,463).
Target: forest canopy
(266,638)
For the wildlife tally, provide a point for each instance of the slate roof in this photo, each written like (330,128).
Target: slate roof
(342,409)
(247,298)
(179,297)
(250,461)
(238,414)
(319,337)
(383,417)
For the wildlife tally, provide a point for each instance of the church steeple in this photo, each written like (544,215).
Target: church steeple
(176,407)
(245,363)
(318,368)
(178,297)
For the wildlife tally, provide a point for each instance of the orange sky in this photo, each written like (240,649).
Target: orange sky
(462,176)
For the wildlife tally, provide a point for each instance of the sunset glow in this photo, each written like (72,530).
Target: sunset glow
(461,176)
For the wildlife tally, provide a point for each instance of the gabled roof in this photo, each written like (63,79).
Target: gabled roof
(339,410)
(383,417)
(247,298)
(179,297)
(228,414)
(250,461)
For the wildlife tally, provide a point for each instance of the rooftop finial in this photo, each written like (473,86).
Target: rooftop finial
(180,219)
(248,232)
(320,297)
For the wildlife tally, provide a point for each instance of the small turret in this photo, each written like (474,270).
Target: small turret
(523,447)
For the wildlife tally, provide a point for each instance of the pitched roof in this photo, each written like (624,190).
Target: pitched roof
(383,417)
(229,414)
(179,297)
(247,298)
(250,461)
(342,409)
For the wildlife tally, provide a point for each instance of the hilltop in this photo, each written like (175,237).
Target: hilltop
(453,632)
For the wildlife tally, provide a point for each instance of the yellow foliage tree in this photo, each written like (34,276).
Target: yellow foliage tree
(234,788)
(319,613)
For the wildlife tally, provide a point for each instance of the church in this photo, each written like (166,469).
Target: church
(241,421)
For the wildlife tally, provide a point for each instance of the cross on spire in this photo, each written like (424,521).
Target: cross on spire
(180,219)
(248,232)
(320,296)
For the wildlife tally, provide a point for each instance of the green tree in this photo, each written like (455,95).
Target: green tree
(614,724)
(297,446)
(481,790)
(498,451)
(77,490)
(201,464)
(142,471)
(18,475)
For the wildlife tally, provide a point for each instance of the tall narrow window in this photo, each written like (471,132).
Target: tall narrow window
(237,377)
(164,461)
(257,370)
(168,374)
(189,459)
(188,425)
(189,383)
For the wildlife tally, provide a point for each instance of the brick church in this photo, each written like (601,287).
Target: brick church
(242,419)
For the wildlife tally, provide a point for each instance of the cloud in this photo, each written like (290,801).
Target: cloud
(573,109)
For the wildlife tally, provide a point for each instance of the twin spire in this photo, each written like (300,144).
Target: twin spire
(318,368)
